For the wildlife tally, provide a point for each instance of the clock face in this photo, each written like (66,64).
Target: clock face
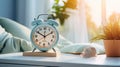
(44,36)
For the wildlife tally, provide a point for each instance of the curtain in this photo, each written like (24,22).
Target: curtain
(27,10)
(75,28)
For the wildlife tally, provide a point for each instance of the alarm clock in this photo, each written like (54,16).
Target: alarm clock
(44,35)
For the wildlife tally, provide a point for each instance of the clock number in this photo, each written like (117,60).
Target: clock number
(44,32)
(36,40)
(35,35)
(45,28)
(40,29)
(48,43)
(51,32)
(52,36)
(39,42)
(44,44)
(51,40)
(49,29)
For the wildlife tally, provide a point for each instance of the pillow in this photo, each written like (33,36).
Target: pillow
(10,44)
(14,37)
(16,29)
(79,47)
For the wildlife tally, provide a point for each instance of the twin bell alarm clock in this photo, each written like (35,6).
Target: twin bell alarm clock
(44,35)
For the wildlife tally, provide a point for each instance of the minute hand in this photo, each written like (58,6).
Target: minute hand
(48,34)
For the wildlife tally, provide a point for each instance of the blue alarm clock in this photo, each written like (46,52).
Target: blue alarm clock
(44,35)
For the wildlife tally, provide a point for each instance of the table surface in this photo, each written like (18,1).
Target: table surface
(62,59)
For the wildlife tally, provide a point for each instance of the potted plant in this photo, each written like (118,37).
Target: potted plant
(111,36)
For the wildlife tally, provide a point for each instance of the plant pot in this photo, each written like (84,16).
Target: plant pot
(112,48)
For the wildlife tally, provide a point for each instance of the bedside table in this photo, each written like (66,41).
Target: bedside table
(64,60)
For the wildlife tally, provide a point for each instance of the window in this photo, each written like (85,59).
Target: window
(112,6)
(83,20)
(91,14)
(98,13)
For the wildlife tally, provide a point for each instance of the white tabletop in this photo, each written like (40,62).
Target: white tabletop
(62,60)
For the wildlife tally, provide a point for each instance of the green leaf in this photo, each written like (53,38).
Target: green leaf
(56,1)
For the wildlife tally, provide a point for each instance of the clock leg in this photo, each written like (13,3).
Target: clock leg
(34,49)
(54,50)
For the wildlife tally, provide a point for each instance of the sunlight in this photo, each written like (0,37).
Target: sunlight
(95,10)
(112,6)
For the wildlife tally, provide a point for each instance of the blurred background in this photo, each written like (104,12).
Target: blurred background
(79,19)
(23,11)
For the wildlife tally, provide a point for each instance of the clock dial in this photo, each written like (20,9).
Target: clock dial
(44,36)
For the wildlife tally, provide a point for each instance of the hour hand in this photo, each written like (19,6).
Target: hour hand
(40,33)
